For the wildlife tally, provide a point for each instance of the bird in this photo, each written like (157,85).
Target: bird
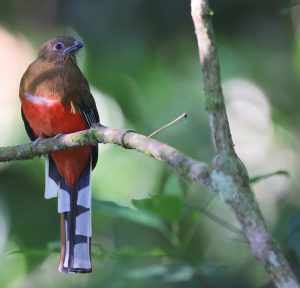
(55,100)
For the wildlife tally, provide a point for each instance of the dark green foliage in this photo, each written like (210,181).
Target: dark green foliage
(173,273)
(140,217)
(168,207)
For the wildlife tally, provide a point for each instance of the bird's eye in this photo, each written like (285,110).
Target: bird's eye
(58,46)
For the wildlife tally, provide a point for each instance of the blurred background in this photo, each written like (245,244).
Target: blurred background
(152,228)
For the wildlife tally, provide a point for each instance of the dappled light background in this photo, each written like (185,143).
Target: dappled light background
(152,228)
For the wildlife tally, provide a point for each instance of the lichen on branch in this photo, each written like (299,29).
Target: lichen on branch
(228,175)
(184,165)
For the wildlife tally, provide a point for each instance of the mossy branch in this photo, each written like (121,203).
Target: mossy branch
(183,164)
(228,174)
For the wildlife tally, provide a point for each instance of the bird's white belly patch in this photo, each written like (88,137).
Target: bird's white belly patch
(40,99)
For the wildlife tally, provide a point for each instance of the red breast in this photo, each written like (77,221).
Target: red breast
(48,117)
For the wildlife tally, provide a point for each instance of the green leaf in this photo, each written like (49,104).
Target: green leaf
(209,269)
(29,252)
(255,179)
(98,251)
(168,273)
(172,187)
(173,272)
(128,252)
(141,217)
(167,207)
(53,246)
(125,252)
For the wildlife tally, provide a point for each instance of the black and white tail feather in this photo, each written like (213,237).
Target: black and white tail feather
(75,206)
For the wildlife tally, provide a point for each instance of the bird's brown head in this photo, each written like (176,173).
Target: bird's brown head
(60,49)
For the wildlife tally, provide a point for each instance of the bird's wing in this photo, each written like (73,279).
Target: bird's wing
(28,129)
(89,112)
(52,178)
(91,116)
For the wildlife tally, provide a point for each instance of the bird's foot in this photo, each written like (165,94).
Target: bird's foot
(123,136)
(36,142)
(57,136)
(95,125)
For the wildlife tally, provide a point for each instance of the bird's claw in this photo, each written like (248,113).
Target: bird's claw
(57,136)
(123,136)
(95,125)
(36,142)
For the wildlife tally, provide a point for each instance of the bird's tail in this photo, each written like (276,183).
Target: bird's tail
(74,204)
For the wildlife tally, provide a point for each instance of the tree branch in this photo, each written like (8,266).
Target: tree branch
(228,175)
(214,100)
(184,165)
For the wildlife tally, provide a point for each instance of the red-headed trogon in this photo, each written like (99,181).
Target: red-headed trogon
(56,99)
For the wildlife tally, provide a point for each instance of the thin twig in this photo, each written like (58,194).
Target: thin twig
(184,115)
(218,220)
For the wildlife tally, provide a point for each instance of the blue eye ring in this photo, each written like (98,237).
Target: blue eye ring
(58,46)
